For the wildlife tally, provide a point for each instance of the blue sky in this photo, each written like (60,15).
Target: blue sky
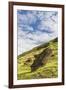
(35,28)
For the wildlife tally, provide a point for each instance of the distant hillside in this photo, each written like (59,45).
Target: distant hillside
(40,62)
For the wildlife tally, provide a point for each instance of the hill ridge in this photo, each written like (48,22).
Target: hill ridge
(45,44)
(40,62)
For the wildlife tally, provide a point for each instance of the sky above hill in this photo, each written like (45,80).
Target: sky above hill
(35,28)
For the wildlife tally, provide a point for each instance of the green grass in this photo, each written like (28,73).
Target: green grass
(47,70)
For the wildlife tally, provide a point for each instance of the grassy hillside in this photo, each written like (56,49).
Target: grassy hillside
(40,62)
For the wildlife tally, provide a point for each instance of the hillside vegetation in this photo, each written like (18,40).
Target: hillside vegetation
(40,62)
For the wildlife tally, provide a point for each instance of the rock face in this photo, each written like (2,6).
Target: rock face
(41,59)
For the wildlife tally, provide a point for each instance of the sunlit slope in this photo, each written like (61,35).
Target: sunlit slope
(40,62)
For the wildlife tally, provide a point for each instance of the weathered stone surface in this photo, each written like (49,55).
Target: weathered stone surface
(41,59)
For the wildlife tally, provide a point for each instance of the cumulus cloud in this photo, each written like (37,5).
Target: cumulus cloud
(35,28)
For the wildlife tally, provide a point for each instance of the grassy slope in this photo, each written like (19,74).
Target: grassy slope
(48,70)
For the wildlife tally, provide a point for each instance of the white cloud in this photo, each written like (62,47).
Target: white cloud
(25,43)
(28,36)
